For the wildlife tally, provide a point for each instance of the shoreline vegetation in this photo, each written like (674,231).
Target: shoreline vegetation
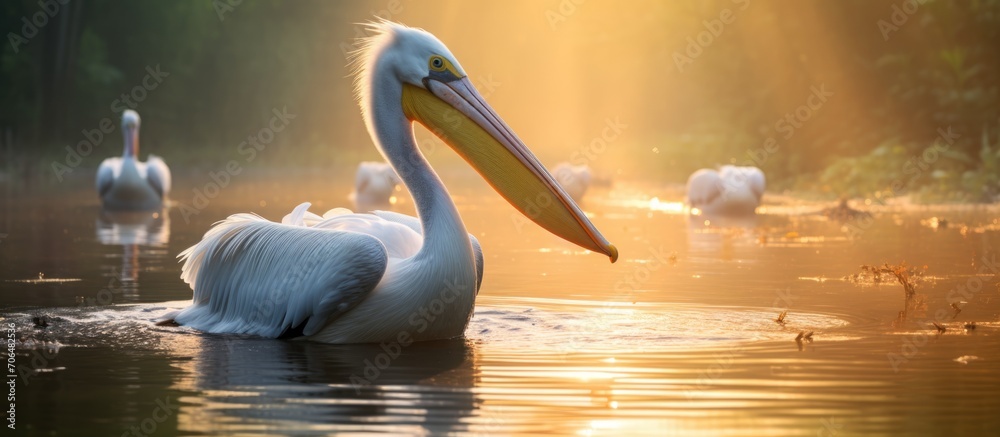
(889,175)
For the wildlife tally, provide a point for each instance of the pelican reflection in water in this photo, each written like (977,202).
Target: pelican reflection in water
(132,230)
(326,387)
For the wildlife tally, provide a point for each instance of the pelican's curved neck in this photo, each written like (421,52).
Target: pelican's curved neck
(442,227)
(131,142)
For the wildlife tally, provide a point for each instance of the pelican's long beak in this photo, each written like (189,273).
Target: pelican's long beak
(455,112)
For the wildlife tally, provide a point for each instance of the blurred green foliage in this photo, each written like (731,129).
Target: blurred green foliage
(936,68)
(228,67)
(897,78)
(951,80)
(937,173)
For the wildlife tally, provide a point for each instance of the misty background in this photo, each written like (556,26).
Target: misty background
(680,84)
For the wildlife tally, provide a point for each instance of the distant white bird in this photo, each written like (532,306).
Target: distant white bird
(359,278)
(127,184)
(375,183)
(574,179)
(730,191)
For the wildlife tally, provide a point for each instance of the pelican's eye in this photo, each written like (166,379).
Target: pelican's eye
(437,63)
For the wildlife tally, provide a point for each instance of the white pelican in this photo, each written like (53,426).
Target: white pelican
(127,184)
(731,190)
(360,278)
(374,183)
(574,178)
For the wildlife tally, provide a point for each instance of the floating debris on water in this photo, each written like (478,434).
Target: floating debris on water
(843,212)
(955,307)
(781,318)
(41,322)
(941,329)
(803,336)
(970,326)
(935,223)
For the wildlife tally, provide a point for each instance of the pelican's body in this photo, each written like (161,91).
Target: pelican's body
(729,191)
(125,183)
(350,278)
(575,179)
(375,183)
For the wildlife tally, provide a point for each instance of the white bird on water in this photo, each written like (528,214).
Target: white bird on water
(575,179)
(358,278)
(730,191)
(375,183)
(126,183)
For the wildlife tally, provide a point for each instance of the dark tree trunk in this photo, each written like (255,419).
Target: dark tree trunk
(59,66)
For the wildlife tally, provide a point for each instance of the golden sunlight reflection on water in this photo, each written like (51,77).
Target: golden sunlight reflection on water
(679,337)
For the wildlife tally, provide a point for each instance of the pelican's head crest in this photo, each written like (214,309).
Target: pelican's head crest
(411,54)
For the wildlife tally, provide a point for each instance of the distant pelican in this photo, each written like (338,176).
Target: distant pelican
(374,183)
(127,184)
(574,178)
(730,191)
(358,278)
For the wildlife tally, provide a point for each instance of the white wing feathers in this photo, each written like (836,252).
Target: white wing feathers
(106,174)
(253,276)
(704,187)
(400,239)
(478,251)
(158,175)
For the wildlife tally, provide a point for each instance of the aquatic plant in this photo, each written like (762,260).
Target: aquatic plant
(907,276)
(781,318)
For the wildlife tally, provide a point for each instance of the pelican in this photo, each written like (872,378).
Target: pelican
(382,277)
(127,184)
(573,178)
(374,183)
(731,190)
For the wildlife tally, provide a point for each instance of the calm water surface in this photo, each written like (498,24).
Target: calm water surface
(678,337)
